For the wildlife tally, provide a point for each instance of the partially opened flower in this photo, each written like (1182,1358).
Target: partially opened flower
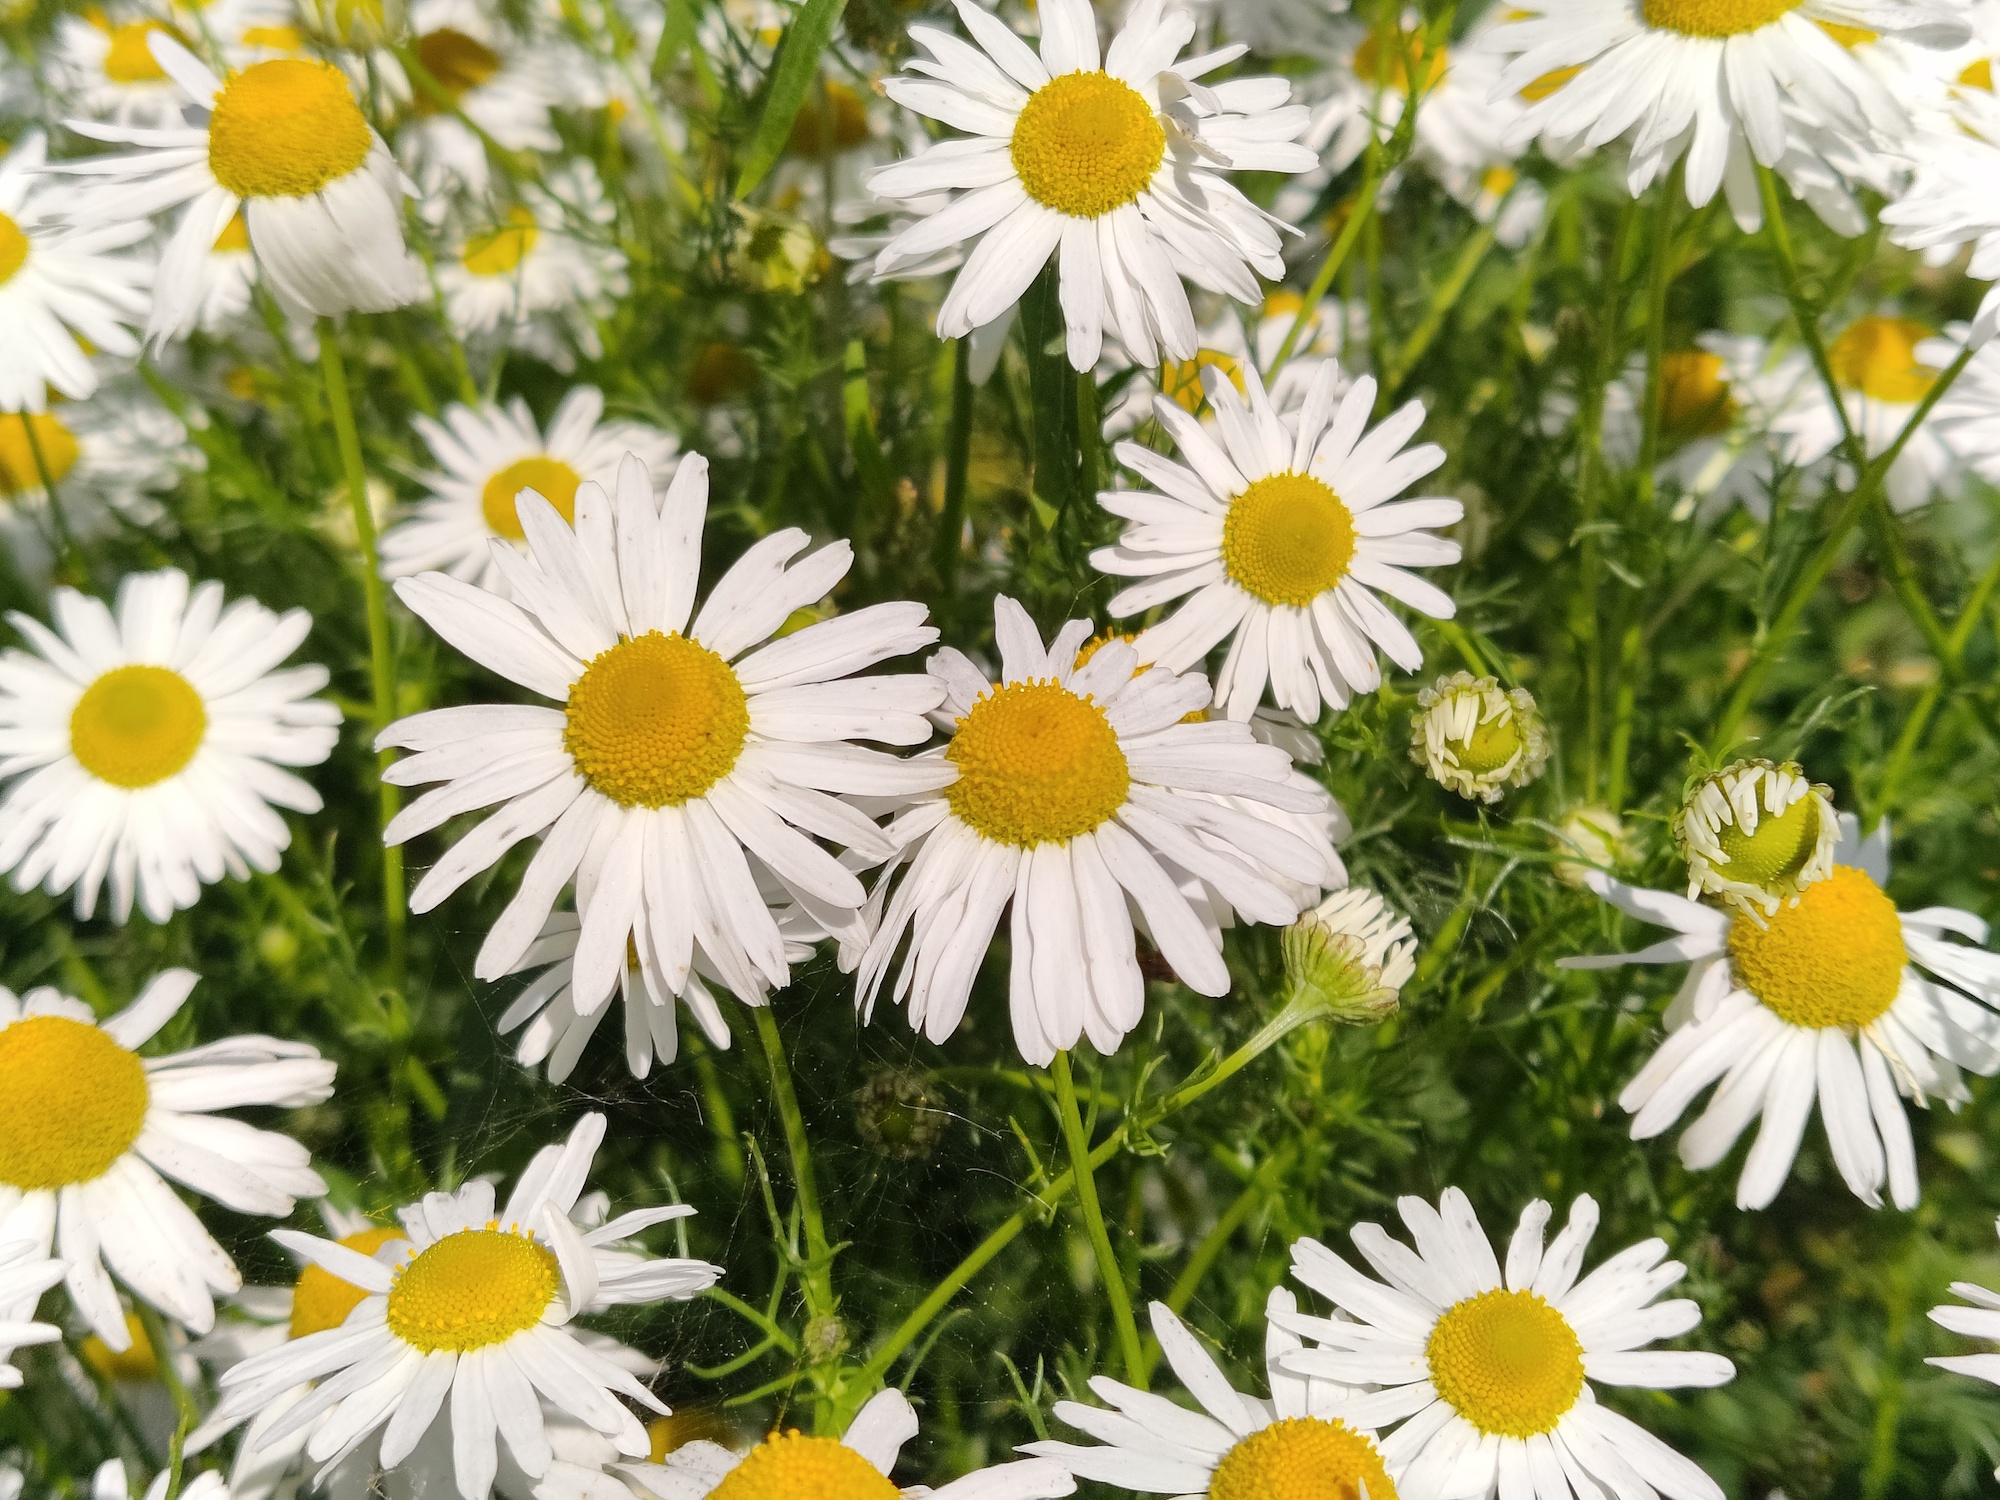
(482,77)
(1756,833)
(1834,996)
(1352,953)
(1489,1372)
(1478,738)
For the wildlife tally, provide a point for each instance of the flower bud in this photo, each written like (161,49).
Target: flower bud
(1756,833)
(1352,954)
(1598,838)
(1477,738)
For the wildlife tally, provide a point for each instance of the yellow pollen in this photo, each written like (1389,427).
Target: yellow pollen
(551,478)
(791,1466)
(1181,380)
(1715,17)
(1694,395)
(456,62)
(1849,37)
(320,1299)
(1878,357)
(1037,764)
(130,59)
(235,235)
(1778,850)
(471,1289)
(286,129)
(1302,1458)
(1978,75)
(1508,1362)
(656,720)
(1408,61)
(13,249)
(1834,959)
(1548,83)
(1086,143)
(830,123)
(1288,539)
(19,474)
(500,251)
(136,1363)
(72,1101)
(137,725)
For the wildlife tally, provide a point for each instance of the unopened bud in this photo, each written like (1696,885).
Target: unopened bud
(1352,954)
(1477,738)
(1756,833)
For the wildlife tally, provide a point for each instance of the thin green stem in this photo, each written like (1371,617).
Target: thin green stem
(949,542)
(1108,1270)
(1621,715)
(58,522)
(1804,314)
(1659,276)
(1439,307)
(1089,437)
(1360,208)
(818,1270)
(1919,719)
(186,1412)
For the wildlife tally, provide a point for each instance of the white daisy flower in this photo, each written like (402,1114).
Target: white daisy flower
(105,70)
(856,1466)
(227,274)
(472,1308)
(285,141)
(1514,205)
(60,285)
(1728,83)
(110,1483)
(1836,996)
(89,1130)
(1282,28)
(1489,1373)
(1968,415)
(1113,167)
(1979,1321)
(1953,197)
(1354,951)
(1081,796)
(144,747)
(1715,423)
(1279,534)
(26,1271)
(1238,1447)
(685,761)
(487,455)
(503,82)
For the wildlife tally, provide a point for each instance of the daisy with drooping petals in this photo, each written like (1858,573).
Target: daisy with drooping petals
(487,455)
(467,1315)
(1836,996)
(25,1273)
(1489,1373)
(1112,166)
(1953,197)
(1277,529)
(686,763)
(1082,797)
(855,1466)
(145,746)
(1238,1447)
(284,141)
(1979,1321)
(502,82)
(89,1129)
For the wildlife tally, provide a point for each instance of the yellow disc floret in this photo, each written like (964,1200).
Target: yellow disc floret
(130,58)
(72,1101)
(1037,764)
(551,478)
(1694,395)
(1878,358)
(1302,1458)
(1779,848)
(792,1466)
(1288,539)
(1180,381)
(1508,1362)
(137,725)
(457,64)
(1715,17)
(136,1361)
(320,1299)
(656,720)
(1834,958)
(1086,143)
(286,129)
(500,251)
(21,467)
(471,1289)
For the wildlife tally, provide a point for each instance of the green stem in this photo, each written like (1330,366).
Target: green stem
(1913,727)
(1442,301)
(1659,275)
(1359,209)
(381,663)
(186,1413)
(1622,712)
(1108,1270)
(947,545)
(1804,315)
(1089,437)
(818,1270)
(58,522)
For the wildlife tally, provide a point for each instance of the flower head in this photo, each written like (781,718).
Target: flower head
(1756,833)
(1477,738)
(1351,953)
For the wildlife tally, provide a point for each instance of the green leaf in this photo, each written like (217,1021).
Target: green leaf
(798,65)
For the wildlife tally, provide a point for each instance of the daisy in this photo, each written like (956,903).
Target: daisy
(1952,195)
(1756,833)
(227,274)
(1114,168)
(285,141)
(1968,415)
(473,1307)
(1716,409)
(1836,996)
(1238,1447)
(89,1130)
(1279,533)
(105,69)
(110,1483)
(1081,796)
(1490,1375)
(1353,952)
(500,81)
(144,746)
(1979,1321)
(60,286)
(685,762)
(1477,738)
(855,1466)
(487,455)
(25,1273)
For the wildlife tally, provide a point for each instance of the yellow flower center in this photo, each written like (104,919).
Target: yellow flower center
(1834,959)
(791,1466)
(286,129)
(1778,850)
(830,122)
(1507,1362)
(1694,395)
(1715,17)
(130,59)
(235,236)
(1878,357)
(1037,764)
(551,478)
(1086,143)
(1499,181)
(1288,539)
(1181,381)
(273,38)
(1549,82)
(1404,64)
(500,251)
(1302,1458)
(656,720)
(72,1101)
(13,249)
(1977,75)
(19,473)
(456,62)
(135,1363)
(320,1299)
(1492,744)
(471,1289)
(137,725)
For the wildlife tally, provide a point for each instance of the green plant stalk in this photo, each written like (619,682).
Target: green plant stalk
(1659,276)
(817,1273)
(1621,715)
(1439,307)
(1108,1270)
(65,543)
(186,1413)
(1804,315)
(1360,208)
(381,661)
(1089,437)
(948,543)
(1914,726)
